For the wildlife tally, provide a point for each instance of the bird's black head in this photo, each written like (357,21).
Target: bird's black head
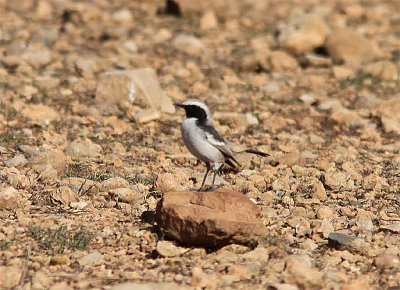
(196,109)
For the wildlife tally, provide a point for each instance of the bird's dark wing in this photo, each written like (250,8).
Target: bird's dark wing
(217,141)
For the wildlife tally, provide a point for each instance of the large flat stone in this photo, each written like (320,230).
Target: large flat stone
(210,219)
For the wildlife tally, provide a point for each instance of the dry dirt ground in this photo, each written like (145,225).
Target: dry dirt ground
(314,83)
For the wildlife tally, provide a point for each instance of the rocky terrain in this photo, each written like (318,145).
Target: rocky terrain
(90,141)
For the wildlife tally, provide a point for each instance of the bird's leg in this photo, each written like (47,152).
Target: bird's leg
(205,176)
(216,168)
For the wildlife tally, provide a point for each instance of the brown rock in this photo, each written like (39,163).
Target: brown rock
(49,156)
(208,20)
(166,182)
(387,261)
(40,114)
(390,125)
(210,219)
(136,87)
(324,212)
(390,108)
(298,270)
(241,272)
(283,62)
(202,280)
(113,183)
(384,70)
(83,148)
(64,195)
(346,45)
(189,44)
(259,254)
(9,198)
(303,34)
(10,276)
(168,249)
(128,195)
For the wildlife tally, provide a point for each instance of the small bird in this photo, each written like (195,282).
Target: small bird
(204,141)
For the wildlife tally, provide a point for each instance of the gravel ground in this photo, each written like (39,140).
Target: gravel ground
(86,152)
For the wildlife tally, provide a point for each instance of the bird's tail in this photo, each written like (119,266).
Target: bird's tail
(252,151)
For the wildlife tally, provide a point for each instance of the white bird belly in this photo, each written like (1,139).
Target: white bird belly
(197,143)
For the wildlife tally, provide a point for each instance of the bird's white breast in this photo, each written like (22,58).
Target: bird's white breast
(197,143)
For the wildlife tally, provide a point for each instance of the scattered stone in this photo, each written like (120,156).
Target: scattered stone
(113,183)
(341,241)
(211,219)
(303,34)
(47,83)
(241,272)
(189,44)
(136,88)
(387,261)
(308,99)
(128,195)
(298,270)
(145,116)
(10,198)
(335,180)
(330,105)
(85,67)
(10,276)
(90,259)
(325,212)
(130,46)
(162,35)
(83,149)
(259,254)
(40,114)
(317,60)
(37,56)
(64,195)
(318,190)
(280,61)
(281,184)
(341,72)
(384,70)
(346,117)
(166,182)
(390,108)
(44,9)
(122,16)
(168,249)
(208,20)
(262,66)
(17,160)
(41,280)
(367,101)
(119,126)
(390,125)
(250,120)
(346,45)
(395,227)
(315,139)
(47,157)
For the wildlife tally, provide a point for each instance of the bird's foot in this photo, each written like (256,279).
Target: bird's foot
(202,189)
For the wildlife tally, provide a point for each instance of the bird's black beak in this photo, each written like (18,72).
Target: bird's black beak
(179,105)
